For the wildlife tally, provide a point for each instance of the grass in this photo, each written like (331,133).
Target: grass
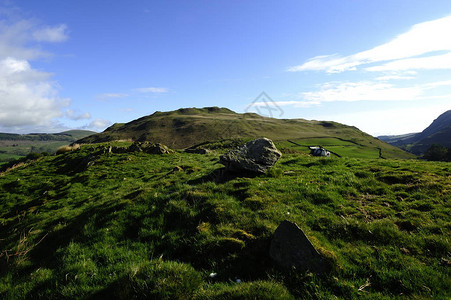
(90,224)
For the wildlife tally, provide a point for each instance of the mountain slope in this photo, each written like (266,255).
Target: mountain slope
(439,132)
(190,126)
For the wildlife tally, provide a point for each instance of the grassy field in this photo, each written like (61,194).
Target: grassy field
(15,146)
(93,224)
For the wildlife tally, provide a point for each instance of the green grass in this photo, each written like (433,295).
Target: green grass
(90,225)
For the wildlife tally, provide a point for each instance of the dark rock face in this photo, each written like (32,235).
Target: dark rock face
(290,248)
(256,156)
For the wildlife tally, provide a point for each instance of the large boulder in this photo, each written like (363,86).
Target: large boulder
(290,248)
(255,156)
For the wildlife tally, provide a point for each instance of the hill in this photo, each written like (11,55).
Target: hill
(14,146)
(187,127)
(439,132)
(93,224)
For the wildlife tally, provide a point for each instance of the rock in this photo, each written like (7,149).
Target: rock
(87,162)
(290,248)
(116,149)
(135,147)
(156,149)
(255,156)
(149,148)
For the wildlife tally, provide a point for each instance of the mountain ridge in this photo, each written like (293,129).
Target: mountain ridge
(438,132)
(186,127)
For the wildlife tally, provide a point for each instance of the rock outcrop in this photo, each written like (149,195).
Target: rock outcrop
(256,156)
(149,148)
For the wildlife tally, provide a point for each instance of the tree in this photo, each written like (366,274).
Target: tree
(438,153)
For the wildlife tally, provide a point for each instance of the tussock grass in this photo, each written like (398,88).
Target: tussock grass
(67,148)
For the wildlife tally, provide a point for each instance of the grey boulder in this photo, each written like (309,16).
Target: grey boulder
(256,156)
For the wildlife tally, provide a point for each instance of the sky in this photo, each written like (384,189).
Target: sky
(383,66)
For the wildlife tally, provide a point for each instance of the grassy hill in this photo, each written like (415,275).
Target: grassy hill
(14,146)
(93,224)
(190,126)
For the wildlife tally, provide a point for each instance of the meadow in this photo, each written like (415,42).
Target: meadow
(94,224)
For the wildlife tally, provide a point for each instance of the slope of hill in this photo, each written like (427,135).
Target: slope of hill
(14,146)
(190,126)
(97,225)
(439,132)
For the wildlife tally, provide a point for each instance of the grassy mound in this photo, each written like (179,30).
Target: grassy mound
(89,224)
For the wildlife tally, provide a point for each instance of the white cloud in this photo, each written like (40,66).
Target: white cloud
(423,38)
(27,96)
(435,62)
(295,103)
(437,84)
(152,90)
(107,96)
(97,124)
(74,116)
(361,91)
(54,34)
(397,76)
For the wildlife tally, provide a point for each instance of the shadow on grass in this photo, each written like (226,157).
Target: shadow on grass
(222,176)
(43,254)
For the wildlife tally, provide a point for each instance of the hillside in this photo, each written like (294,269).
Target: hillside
(14,146)
(187,127)
(439,132)
(92,224)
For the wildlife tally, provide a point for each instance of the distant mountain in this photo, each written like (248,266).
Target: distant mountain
(187,127)
(14,146)
(439,132)
(70,135)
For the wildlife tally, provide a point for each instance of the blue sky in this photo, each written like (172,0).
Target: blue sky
(382,66)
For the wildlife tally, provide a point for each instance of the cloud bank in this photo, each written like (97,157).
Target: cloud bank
(399,70)
(29,97)
(425,45)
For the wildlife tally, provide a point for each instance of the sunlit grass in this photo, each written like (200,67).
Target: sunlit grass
(139,225)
